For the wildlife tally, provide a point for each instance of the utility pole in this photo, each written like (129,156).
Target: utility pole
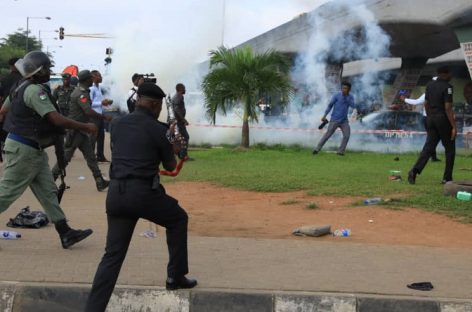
(27,28)
(223,24)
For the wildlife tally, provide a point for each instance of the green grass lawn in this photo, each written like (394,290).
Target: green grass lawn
(284,169)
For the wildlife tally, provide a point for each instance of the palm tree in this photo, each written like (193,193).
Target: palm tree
(238,76)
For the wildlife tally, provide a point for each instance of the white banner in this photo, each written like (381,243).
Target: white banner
(467,49)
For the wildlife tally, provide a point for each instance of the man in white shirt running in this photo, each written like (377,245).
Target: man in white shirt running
(98,102)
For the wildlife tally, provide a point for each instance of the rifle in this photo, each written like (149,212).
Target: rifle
(61,163)
(61,189)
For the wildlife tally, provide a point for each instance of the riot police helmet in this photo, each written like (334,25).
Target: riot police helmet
(33,63)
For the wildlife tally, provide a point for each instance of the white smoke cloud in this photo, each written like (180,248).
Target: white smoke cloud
(168,44)
(170,41)
(333,42)
(174,54)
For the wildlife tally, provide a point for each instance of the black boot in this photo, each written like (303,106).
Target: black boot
(101,183)
(412,176)
(180,283)
(70,236)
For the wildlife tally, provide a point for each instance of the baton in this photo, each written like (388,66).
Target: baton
(177,169)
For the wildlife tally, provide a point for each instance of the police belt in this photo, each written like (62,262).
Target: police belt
(23,140)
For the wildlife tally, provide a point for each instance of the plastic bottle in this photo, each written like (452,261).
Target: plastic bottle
(465,196)
(342,232)
(372,201)
(9,235)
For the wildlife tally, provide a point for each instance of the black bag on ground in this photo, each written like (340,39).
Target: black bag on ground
(29,219)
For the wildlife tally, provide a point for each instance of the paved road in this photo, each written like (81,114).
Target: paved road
(228,263)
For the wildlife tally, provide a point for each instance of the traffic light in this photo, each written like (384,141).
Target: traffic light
(61,33)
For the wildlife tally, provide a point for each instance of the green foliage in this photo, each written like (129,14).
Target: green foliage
(290,201)
(312,206)
(364,175)
(238,76)
(14,45)
(6,53)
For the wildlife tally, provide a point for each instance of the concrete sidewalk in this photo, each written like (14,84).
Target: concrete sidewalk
(247,265)
(234,274)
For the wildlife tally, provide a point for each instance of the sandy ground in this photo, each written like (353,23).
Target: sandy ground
(217,211)
(222,212)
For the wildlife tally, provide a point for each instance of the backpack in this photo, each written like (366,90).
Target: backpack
(29,219)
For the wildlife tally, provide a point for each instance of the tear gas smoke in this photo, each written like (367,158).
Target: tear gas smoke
(330,43)
(164,44)
(173,58)
(170,43)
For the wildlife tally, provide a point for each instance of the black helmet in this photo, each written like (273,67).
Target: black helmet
(32,63)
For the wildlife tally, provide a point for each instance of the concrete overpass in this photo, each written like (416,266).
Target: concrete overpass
(419,30)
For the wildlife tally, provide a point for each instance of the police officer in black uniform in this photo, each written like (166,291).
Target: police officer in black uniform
(9,80)
(441,125)
(6,83)
(139,144)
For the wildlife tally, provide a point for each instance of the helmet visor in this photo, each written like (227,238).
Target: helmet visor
(26,69)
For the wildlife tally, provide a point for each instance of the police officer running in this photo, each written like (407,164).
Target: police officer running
(34,123)
(62,94)
(139,144)
(441,125)
(81,110)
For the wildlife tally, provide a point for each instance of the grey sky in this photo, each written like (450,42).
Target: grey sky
(190,27)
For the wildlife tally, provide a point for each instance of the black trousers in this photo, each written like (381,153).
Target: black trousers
(127,201)
(76,140)
(439,129)
(100,140)
(434,155)
(183,131)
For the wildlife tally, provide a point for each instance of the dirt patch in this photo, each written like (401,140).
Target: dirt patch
(218,211)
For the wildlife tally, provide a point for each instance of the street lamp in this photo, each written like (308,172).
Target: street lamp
(27,27)
(223,24)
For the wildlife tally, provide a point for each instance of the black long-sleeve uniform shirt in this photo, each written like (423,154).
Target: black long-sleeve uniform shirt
(139,145)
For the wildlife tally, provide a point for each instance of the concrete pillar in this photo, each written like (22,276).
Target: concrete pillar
(406,80)
(464,34)
(333,76)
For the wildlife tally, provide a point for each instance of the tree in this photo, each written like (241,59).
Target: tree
(14,45)
(238,76)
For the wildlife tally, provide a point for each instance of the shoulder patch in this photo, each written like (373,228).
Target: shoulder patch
(83,99)
(449,90)
(42,96)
